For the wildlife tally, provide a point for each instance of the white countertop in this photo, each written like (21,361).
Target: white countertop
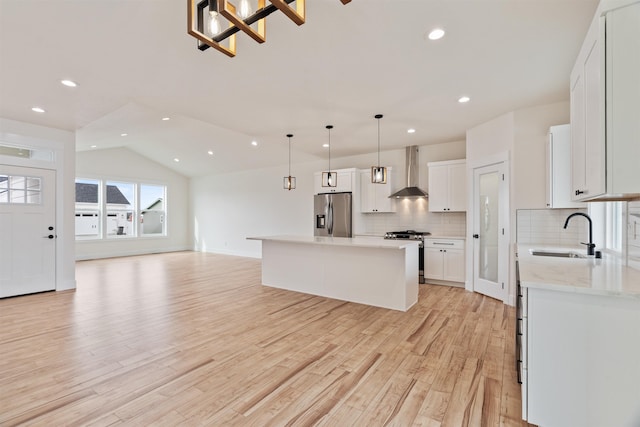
(432,237)
(362,242)
(606,276)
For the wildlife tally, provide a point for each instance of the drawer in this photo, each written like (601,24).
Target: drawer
(444,244)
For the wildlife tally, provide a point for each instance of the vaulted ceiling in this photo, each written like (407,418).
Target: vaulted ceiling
(135,64)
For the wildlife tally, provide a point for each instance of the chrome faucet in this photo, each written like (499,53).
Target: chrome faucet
(590,245)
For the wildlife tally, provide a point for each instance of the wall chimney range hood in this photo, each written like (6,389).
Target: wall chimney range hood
(413,174)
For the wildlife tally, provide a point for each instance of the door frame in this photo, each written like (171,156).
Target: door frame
(504,273)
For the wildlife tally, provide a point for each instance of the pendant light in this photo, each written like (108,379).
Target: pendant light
(289,182)
(378,173)
(329,179)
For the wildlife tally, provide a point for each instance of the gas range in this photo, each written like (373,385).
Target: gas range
(407,235)
(412,235)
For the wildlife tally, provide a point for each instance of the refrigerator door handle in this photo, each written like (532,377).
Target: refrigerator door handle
(330,218)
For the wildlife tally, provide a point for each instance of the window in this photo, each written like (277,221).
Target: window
(20,189)
(120,209)
(108,209)
(152,210)
(88,209)
(614,226)
(26,152)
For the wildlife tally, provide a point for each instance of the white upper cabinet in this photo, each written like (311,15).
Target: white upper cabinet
(559,168)
(374,198)
(346,182)
(605,88)
(448,186)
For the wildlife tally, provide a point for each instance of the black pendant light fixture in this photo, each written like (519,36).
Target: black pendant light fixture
(329,179)
(289,182)
(378,173)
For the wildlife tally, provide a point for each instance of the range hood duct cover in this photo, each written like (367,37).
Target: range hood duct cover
(413,174)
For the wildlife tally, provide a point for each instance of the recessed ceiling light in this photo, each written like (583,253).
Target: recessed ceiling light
(436,33)
(210,153)
(412,130)
(124,134)
(325,145)
(463,99)
(176,160)
(93,146)
(69,83)
(254,143)
(37,110)
(164,119)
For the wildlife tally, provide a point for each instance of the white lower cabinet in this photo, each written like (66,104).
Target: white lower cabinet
(444,259)
(580,363)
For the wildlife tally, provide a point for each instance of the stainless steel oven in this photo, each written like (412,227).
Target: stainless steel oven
(412,235)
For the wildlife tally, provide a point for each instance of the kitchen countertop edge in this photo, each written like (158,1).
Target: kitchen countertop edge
(360,242)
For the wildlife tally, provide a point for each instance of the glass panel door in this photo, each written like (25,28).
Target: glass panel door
(489,218)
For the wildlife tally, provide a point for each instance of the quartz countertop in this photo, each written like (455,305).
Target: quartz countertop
(435,237)
(606,276)
(362,242)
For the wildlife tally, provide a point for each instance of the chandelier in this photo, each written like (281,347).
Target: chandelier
(215,22)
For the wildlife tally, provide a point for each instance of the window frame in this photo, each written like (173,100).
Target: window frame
(133,211)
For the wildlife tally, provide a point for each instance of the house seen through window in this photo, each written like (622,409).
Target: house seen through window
(114,209)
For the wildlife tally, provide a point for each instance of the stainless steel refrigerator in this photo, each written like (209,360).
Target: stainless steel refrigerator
(332,213)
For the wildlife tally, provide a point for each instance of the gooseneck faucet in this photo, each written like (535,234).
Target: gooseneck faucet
(590,245)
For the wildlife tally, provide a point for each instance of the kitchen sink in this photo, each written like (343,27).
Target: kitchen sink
(554,253)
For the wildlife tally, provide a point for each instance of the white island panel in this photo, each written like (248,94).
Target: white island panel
(367,271)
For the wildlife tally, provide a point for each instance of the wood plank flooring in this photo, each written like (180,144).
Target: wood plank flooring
(193,339)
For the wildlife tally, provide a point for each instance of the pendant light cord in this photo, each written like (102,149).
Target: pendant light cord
(329,127)
(329,150)
(378,142)
(289,156)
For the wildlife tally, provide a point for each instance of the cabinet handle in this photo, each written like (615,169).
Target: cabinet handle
(579,192)
(443,243)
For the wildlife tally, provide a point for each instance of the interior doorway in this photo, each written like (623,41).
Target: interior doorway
(490,218)
(27,227)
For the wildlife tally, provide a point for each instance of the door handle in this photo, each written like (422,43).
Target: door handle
(476,236)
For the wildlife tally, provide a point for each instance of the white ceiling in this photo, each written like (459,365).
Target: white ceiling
(134,64)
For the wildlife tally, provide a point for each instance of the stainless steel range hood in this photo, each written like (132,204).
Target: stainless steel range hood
(413,175)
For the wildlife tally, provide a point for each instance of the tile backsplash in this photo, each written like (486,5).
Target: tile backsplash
(545,226)
(413,214)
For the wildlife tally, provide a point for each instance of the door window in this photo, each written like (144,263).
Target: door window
(18,189)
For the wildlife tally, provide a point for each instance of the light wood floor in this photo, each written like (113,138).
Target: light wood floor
(194,339)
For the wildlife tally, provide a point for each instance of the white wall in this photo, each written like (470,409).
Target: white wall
(64,145)
(529,154)
(490,138)
(126,165)
(231,207)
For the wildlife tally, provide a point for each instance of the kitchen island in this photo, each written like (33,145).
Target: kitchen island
(578,339)
(372,271)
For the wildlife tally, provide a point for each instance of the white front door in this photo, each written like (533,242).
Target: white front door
(27,230)
(490,244)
